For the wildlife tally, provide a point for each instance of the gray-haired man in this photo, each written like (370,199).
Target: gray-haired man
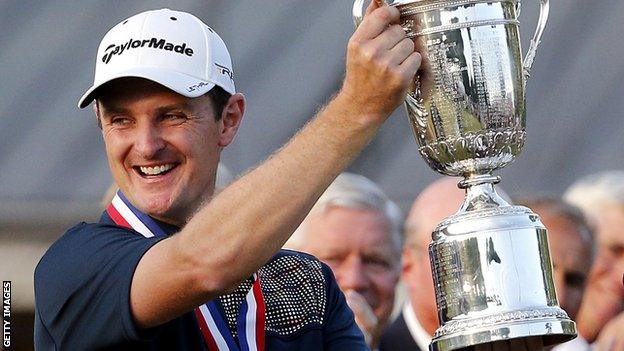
(601,317)
(356,230)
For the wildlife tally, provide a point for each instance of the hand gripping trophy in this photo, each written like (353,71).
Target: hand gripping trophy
(490,261)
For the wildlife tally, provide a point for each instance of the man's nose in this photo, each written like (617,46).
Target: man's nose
(352,275)
(148,141)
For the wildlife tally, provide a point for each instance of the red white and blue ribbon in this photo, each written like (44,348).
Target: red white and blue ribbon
(251,318)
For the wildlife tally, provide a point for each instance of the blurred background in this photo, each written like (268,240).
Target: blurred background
(288,60)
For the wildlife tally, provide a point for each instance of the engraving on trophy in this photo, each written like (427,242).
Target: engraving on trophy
(447,268)
(460,281)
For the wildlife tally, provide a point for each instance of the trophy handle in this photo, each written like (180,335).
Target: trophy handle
(358,12)
(541,24)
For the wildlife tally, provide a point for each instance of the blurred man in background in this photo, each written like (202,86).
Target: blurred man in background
(601,197)
(418,321)
(356,230)
(571,245)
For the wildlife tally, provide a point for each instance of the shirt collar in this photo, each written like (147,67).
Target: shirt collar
(420,335)
(170,229)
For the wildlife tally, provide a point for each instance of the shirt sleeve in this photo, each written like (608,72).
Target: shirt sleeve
(340,331)
(82,289)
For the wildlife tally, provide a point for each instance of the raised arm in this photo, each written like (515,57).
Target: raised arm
(246,224)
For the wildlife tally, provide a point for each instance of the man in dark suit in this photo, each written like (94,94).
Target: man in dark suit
(412,330)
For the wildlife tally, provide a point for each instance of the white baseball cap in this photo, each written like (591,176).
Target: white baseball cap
(172,48)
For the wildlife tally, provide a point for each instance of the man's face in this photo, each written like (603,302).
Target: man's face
(606,274)
(571,257)
(417,273)
(162,148)
(358,246)
(437,201)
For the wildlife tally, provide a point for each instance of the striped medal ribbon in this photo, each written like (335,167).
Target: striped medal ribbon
(251,318)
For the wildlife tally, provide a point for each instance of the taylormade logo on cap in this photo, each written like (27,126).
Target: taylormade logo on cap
(172,48)
(155,43)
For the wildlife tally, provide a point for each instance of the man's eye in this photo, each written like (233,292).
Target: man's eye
(377,262)
(575,279)
(120,121)
(175,117)
(617,250)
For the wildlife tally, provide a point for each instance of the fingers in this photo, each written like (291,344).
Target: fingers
(411,64)
(401,51)
(363,312)
(610,337)
(381,65)
(393,40)
(364,316)
(390,45)
(376,22)
(371,7)
(391,37)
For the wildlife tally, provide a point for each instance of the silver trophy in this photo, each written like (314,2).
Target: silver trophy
(490,261)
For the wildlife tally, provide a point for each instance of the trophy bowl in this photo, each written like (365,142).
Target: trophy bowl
(467,104)
(490,261)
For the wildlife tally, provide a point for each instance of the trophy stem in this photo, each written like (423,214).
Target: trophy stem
(480,193)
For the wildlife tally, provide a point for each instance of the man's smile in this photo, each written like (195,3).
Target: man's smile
(155,170)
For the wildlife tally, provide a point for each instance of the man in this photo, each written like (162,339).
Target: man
(571,245)
(601,197)
(166,102)
(414,328)
(356,230)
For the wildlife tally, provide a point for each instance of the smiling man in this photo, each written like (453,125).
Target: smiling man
(169,267)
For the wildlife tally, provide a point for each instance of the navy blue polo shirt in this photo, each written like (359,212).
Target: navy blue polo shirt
(82,293)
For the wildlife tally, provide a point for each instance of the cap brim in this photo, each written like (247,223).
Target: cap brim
(181,83)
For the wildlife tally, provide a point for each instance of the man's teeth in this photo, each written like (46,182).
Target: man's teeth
(156,170)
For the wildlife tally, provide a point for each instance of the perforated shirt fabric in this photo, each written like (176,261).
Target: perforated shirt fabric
(82,287)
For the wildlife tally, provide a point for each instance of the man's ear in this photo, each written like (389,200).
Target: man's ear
(96,110)
(231,118)
(407,265)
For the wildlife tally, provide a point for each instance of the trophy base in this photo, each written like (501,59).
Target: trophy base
(552,331)
(493,274)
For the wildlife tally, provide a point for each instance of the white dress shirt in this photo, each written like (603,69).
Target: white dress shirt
(423,339)
(577,344)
